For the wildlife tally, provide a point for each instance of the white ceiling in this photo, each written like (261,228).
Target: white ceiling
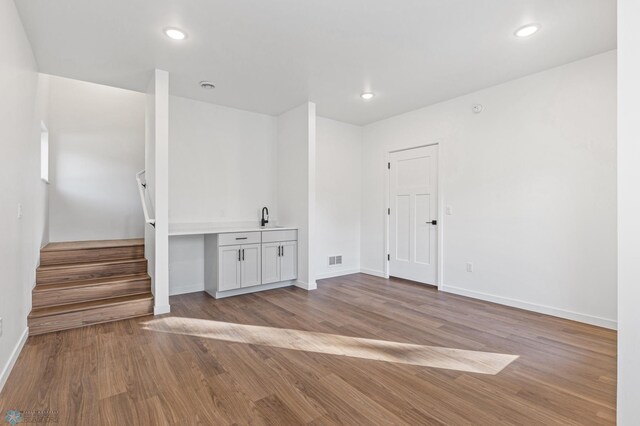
(269,56)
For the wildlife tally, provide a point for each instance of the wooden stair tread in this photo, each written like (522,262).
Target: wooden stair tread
(81,283)
(93,282)
(87,245)
(84,306)
(89,264)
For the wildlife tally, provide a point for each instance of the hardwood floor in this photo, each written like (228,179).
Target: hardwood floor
(202,365)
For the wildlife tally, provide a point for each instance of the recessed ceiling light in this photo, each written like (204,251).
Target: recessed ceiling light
(175,34)
(527,30)
(207,85)
(367,96)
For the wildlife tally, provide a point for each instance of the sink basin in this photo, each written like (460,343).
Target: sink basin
(272,227)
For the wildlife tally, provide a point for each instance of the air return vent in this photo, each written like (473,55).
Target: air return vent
(335,260)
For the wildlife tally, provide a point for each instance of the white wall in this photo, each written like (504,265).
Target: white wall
(531,182)
(628,213)
(297,184)
(338,196)
(223,168)
(96,139)
(22,108)
(223,163)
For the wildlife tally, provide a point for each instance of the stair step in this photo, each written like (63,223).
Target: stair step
(53,274)
(63,317)
(90,251)
(84,291)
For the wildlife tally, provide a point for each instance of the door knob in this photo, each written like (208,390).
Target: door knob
(433,222)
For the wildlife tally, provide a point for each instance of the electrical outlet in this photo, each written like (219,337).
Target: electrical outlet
(448,210)
(469,267)
(19,211)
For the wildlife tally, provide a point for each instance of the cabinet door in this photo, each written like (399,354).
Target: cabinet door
(289,261)
(228,268)
(250,265)
(270,263)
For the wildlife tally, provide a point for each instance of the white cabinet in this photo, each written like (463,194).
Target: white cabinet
(279,261)
(228,268)
(289,261)
(270,263)
(250,265)
(256,260)
(238,266)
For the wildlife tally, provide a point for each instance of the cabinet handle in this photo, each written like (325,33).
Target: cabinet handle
(281,250)
(241,238)
(242,254)
(239,255)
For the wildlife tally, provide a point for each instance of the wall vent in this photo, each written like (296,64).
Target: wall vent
(335,260)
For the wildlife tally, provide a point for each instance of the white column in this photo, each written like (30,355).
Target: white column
(628,213)
(296,183)
(157,177)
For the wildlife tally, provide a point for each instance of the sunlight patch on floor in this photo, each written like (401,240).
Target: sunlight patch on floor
(333,344)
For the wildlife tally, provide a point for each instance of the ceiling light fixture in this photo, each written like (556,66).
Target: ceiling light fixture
(367,96)
(527,30)
(207,85)
(175,34)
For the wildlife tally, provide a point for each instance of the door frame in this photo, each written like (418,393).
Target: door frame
(441,210)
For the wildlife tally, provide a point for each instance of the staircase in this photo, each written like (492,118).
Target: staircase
(89,282)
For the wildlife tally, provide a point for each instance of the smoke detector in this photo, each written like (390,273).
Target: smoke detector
(207,85)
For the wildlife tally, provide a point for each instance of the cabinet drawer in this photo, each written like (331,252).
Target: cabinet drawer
(276,236)
(239,238)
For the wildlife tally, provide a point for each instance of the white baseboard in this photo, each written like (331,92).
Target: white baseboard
(548,310)
(192,288)
(306,286)
(161,309)
(337,273)
(6,370)
(372,272)
(247,290)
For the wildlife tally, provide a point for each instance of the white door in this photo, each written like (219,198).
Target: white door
(413,215)
(229,268)
(288,260)
(250,265)
(270,263)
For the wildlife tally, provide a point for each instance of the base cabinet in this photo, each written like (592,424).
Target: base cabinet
(250,266)
(228,268)
(270,263)
(258,260)
(239,266)
(279,261)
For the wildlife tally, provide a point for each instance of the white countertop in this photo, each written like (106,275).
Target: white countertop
(192,228)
